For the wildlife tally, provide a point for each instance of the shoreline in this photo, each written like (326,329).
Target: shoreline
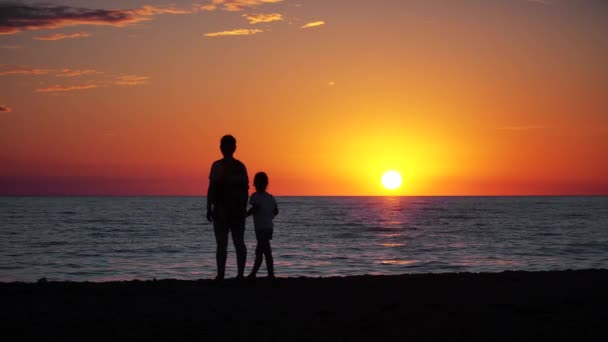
(509,304)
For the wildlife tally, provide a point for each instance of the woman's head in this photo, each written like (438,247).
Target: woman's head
(228,145)
(260,181)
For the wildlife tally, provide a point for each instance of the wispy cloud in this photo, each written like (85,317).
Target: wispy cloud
(19,16)
(60,36)
(76,72)
(5,109)
(237,32)
(16,17)
(10,47)
(99,79)
(59,88)
(235,5)
(205,7)
(131,80)
(313,24)
(153,10)
(263,18)
(21,70)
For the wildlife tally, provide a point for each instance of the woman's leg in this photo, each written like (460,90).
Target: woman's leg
(238,238)
(221,239)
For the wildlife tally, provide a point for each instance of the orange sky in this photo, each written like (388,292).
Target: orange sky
(462,97)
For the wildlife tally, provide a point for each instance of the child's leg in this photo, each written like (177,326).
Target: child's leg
(269,259)
(258,259)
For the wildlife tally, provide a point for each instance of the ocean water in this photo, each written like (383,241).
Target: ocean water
(124,238)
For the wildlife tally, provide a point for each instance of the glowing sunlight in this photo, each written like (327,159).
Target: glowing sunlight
(391,180)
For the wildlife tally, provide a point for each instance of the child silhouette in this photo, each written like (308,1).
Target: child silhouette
(264,208)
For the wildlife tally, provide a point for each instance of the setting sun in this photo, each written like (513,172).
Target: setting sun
(391,180)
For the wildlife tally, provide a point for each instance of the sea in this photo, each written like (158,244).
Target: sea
(126,238)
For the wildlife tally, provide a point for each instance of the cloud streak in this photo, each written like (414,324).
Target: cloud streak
(237,32)
(235,5)
(131,80)
(263,18)
(17,17)
(59,88)
(153,10)
(61,36)
(105,79)
(6,70)
(89,78)
(5,109)
(76,72)
(313,24)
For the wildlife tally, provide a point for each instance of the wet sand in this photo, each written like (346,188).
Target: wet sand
(461,306)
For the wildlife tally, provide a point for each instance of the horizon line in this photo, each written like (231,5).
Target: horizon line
(204,196)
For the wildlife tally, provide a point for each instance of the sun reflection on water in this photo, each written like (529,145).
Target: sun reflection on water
(397,262)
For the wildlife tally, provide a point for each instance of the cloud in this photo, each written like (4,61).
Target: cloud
(101,79)
(60,36)
(313,24)
(21,70)
(153,10)
(59,88)
(5,109)
(206,7)
(263,18)
(10,47)
(237,32)
(76,72)
(238,5)
(131,80)
(16,17)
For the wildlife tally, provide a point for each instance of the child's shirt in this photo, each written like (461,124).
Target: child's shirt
(264,204)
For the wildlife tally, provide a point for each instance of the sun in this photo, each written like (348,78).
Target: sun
(391,180)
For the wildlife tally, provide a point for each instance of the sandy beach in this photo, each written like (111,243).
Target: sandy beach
(430,306)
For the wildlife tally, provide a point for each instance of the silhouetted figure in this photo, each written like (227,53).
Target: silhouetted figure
(227,205)
(264,208)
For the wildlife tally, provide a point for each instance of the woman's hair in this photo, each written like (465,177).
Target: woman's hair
(228,144)
(260,181)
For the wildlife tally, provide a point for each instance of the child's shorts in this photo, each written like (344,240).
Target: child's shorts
(265,234)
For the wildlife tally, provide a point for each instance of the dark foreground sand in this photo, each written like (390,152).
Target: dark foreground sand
(501,306)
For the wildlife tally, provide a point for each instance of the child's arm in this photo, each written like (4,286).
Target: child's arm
(276,209)
(251,210)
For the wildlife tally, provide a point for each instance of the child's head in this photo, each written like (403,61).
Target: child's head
(260,181)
